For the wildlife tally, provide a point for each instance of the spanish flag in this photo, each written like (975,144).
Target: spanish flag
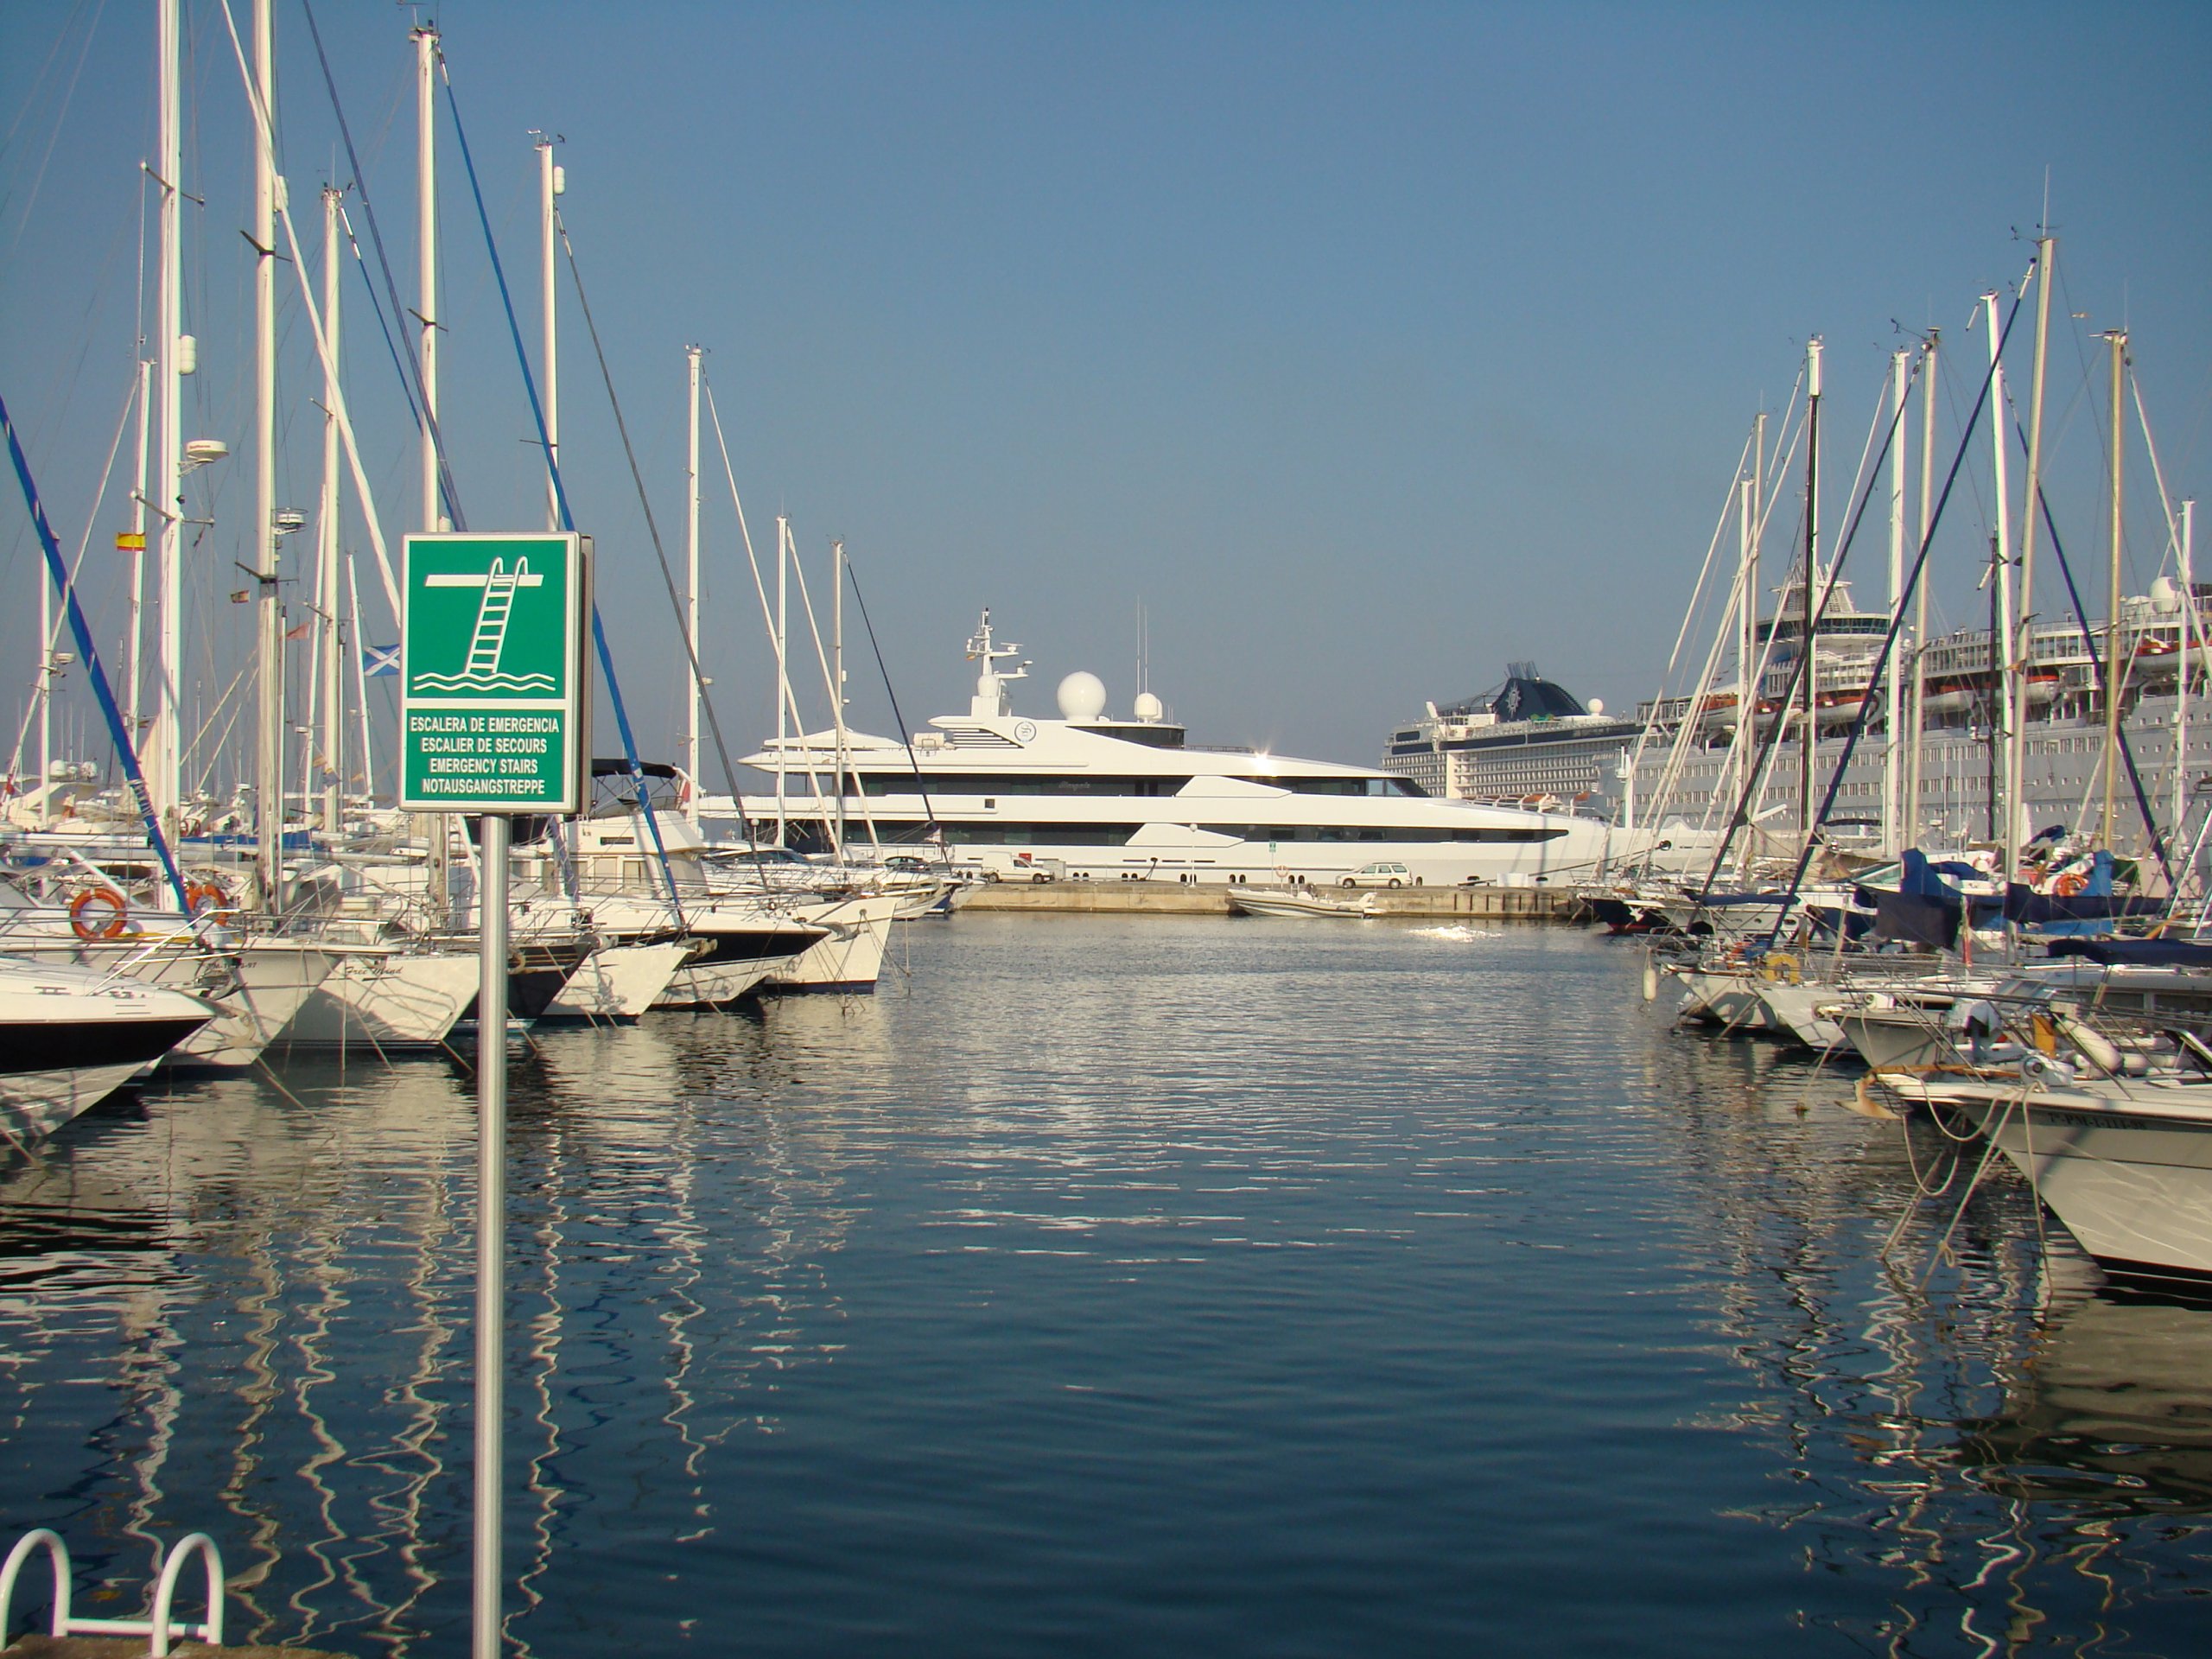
(131,541)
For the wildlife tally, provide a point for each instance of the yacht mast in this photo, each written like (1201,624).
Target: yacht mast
(165,785)
(136,544)
(1913,757)
(551,181)
(268,654)
(1747,604)
(783,678)
(426,254)
(2023,655)
(440,891)
(328,555)
(2191,641)
(837,677)
(691,354)
(1893,757)
(1809,732)
(2117,339)
(2002,814)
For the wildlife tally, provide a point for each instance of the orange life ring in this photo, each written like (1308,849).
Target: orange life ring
(80,908)
(2069,884)
(203,896)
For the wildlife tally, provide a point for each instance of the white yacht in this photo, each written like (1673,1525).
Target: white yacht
(1094,798)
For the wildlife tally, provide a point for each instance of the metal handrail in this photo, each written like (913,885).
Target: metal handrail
(160,1627)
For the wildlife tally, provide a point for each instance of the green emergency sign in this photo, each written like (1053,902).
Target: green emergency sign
(494,683)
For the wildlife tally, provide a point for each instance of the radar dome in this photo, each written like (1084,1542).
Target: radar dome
(1149,708)
(1083,697)
(1596,705)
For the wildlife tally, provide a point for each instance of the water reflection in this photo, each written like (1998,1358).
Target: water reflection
(1156,1286)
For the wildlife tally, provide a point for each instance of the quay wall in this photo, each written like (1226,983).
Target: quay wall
(1484,903)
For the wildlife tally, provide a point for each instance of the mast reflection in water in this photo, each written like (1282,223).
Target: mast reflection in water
(1170,1287)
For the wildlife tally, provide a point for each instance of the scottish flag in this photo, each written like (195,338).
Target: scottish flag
(379,659)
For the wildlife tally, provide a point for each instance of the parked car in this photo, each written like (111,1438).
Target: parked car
(1381,873)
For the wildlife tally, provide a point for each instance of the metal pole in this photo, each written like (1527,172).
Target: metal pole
(131,722)
(2118,340)
(333,679)
(783,678)
(1919,723)
(691,589)
(2002,813)
(2024,657)
(45,692)
(551,183)
(1809,733)
(837,694)
(166,784)
(491,1229)
(2190,641)
(426,255)
(439,893)
(1893,760)
(268,663)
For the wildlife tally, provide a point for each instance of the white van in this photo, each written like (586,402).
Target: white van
(1006,864)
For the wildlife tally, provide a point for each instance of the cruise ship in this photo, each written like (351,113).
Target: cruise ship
(1092,796)
(1528,741)
(1692,767)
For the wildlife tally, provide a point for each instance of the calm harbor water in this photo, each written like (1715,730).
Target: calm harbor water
(1110,1287)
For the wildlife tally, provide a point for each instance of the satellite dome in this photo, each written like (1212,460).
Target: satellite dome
(1149,708)
(1083,697)
(1596,705)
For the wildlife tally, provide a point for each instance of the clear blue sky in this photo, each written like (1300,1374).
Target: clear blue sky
(1367,347)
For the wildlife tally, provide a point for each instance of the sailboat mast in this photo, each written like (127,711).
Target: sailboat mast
(691,354)
(1893,757)
(1919,719)
(440,890)
(166,783)
(837,677)
(268,655)
(1809,732)
(131,722)
(2024,654)
(2001,683)
(551,183)
(426,255)
(1747,601)
(2190,642)
(783,674)
(2117,339)
(334,680)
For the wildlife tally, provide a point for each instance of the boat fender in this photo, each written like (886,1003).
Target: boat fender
(1650,977)
(2099,1049)
(89,926)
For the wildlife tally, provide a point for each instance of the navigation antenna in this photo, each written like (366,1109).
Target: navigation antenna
(990,702)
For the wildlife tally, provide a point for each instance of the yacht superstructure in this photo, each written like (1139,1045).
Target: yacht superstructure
(1098,797)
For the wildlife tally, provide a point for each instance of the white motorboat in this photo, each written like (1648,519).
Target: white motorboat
(379,998)
(2124,1162)
(1297,901)
(70,1037)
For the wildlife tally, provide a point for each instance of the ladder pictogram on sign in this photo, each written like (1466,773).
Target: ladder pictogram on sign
(479,669)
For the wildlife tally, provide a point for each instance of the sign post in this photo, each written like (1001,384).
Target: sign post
(494,717)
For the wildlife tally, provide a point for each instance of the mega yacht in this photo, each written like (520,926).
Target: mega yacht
(1094,798)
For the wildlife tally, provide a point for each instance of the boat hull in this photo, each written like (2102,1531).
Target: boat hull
(2134,1188)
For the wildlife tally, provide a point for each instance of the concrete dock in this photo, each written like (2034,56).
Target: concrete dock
(1484,904)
